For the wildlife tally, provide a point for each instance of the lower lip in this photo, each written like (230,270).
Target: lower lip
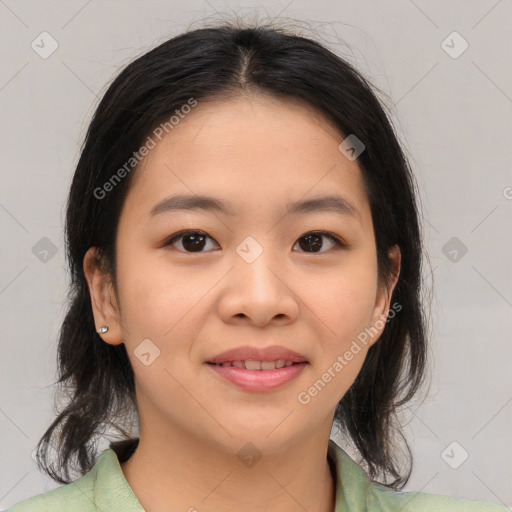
(258,380)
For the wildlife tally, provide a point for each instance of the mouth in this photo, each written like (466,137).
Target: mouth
(259,369)
(258,358)
(257,376)
(251,364)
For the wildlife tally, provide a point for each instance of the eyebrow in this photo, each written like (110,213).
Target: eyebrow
(329,203)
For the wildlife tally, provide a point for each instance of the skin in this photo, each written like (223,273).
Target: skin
(259,153)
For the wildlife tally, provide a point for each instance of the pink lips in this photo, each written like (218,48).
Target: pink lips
(258,380)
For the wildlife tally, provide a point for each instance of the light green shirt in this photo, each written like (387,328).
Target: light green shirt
(105,489)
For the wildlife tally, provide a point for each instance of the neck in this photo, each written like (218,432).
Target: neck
(173,471)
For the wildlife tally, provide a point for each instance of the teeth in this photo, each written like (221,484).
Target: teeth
(251,364)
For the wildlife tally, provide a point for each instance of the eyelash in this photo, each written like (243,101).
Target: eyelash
(339,244)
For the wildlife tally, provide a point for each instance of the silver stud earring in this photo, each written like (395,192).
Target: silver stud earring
(103,329)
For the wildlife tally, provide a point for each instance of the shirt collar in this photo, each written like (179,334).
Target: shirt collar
(352,483)
(112,491)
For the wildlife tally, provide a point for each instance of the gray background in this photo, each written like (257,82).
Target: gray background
(454,118)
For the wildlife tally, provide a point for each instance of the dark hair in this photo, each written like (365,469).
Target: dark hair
(218,63)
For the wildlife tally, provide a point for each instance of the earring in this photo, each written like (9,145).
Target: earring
(103,329)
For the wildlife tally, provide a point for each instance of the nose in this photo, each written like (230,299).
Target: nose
(258,293)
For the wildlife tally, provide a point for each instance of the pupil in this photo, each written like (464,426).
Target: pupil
(313,241)
(197,242)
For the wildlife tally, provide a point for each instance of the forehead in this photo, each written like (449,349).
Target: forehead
(251,150)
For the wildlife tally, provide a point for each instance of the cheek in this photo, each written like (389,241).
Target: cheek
(158,301)
(344,307)
(345,299)
(345,304)
(161,316)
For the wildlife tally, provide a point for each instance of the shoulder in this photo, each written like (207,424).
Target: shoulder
(79,493)
(102,488)
(355,492)
(383,499)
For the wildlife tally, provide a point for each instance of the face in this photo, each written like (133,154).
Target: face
(255,272)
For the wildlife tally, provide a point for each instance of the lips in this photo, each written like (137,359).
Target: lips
(258,369)
(251,364)
(242,356)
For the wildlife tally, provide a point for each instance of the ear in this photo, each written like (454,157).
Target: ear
(103,299)
(384,293)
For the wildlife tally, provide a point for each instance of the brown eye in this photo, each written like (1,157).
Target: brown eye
(312,241)
(195,241)
(191,241)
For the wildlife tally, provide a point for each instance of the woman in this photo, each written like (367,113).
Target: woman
(245,253)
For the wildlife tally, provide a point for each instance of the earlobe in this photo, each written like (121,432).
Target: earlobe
(103,300)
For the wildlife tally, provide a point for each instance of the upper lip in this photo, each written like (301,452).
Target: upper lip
(272,353)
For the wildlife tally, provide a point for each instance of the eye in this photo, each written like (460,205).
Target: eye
(195,241)
(192,240)
(313,240)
